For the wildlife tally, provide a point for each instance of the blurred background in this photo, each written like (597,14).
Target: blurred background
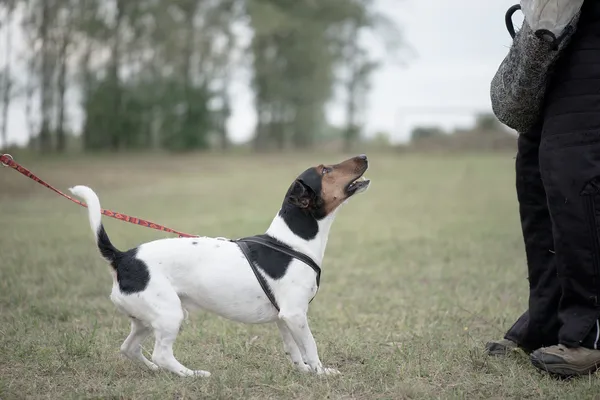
(259,75)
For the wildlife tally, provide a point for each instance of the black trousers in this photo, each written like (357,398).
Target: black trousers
(558,189)
(559,230)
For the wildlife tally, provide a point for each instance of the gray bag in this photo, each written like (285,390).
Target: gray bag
(518,87)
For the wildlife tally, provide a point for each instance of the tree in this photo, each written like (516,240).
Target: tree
(6,78)
(89,31)
(46,16)
(301,51)
(157,73)
(355,64)
(292,67)
(64,25)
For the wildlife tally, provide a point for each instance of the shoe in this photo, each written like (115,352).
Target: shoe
(500,347)
(566,361)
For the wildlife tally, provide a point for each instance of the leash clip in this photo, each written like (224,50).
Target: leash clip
(7,156)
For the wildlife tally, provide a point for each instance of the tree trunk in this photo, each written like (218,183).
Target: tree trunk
(46,79)
(7,84)
(188,51)
(259,143)
(29,91)
(115,85)
(305,125)
(350,130)
(225,113)
(62,88)
(86,89)
(351,91)
(278,126)
(190,137)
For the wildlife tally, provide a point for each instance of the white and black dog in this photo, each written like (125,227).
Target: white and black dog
(264,278)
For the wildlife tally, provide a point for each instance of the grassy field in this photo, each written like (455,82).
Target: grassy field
(420,271)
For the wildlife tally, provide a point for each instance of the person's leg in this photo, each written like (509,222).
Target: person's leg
(570,168)
(538,326)
(571,171)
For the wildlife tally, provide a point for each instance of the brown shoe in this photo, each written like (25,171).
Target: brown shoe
(566,361)
(500,347)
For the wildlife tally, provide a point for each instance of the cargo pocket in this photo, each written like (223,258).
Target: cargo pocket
(591,201)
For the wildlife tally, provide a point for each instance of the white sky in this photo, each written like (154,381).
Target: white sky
(457,47)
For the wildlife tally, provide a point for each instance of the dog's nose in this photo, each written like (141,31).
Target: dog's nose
(363,157)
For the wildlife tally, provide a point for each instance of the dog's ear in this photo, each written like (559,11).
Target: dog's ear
(300,195)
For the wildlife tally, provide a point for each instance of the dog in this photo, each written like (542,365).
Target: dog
(271,278)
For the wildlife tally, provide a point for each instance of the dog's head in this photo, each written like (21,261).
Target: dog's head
(320,190)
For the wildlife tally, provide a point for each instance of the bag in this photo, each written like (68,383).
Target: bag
(519,85)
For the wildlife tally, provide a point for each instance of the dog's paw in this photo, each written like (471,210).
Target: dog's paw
(198,373)
(302,367)
(326,371)
(331,371)
(202,374)
(152,367)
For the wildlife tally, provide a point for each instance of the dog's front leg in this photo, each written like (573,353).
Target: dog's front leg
(297,323)
(291,348)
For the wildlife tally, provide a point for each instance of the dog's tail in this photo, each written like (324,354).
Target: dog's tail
(108,251)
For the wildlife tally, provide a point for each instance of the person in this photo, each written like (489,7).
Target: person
(558,191)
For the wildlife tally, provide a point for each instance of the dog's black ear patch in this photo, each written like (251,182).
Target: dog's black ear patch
(300,195)
(312,179)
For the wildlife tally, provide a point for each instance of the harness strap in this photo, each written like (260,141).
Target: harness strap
(286,250)
(277,247)
(261,280)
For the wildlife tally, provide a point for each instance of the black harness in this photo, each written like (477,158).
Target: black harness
(271,243)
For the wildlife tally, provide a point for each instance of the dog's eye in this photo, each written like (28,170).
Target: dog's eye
(326,170)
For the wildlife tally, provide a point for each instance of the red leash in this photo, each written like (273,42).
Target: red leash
(6,160)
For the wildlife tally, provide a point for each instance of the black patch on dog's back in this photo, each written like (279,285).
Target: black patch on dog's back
(132,273)
(270,261)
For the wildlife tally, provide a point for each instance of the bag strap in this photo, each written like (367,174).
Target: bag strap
(508,19)
(542,34)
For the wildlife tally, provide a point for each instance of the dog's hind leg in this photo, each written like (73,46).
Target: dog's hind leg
(166,330)
(132,346)
(166,324)
(291,348)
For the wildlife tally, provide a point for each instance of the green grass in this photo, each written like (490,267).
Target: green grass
(420,271)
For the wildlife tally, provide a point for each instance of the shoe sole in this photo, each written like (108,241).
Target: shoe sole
(565,370)
(499,350)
